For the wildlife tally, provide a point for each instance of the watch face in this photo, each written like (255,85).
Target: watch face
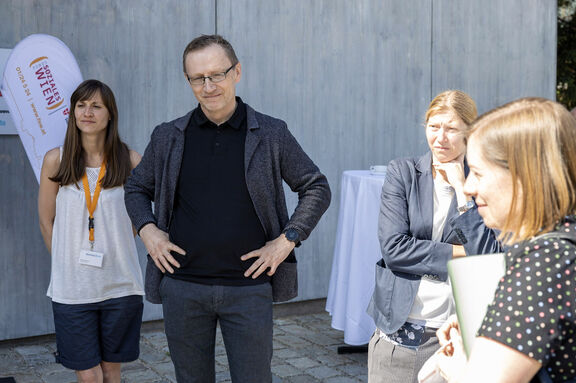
(291,235)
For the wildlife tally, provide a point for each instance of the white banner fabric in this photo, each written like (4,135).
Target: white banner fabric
(39,77)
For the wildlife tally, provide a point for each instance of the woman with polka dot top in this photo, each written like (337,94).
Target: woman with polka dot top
(522,159)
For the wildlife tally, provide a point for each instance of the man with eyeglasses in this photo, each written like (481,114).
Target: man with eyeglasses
(220,240)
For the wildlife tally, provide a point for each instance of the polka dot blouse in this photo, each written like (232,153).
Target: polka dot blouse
(534,310)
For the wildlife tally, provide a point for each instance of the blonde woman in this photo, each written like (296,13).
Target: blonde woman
(425,220)
(522,160)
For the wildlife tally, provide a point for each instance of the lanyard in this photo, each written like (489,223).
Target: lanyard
(91,203)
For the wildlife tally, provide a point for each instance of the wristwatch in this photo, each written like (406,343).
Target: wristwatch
(467,206)
(292,235)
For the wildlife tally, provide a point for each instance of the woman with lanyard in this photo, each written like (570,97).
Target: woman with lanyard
(96,281)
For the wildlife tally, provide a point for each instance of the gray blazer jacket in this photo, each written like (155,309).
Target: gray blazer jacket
(272,155)
(405,234)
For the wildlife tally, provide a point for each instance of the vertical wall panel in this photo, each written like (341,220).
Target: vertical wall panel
(351,79)
(497,51)
(135,46)
(24,262)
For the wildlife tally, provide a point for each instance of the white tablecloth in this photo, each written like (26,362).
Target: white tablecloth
(355,254)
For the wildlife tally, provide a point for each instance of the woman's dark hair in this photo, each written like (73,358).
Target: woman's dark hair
(116,153)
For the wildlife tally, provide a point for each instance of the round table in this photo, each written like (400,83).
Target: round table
(356,252)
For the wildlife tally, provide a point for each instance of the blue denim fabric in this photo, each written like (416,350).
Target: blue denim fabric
(191,314)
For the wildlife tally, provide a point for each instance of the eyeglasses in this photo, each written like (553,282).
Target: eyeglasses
(217,77)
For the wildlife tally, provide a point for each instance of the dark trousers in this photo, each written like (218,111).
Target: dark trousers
(191,313)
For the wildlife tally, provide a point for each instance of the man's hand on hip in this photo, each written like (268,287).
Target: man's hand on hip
(269,256)
(159,247)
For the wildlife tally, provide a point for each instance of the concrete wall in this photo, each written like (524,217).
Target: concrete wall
(352,78)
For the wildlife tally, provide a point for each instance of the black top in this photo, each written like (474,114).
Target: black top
(214,218)
(534,309)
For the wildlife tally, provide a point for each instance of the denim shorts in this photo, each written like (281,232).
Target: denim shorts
(87,334)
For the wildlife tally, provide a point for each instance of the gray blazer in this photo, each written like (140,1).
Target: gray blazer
(272,156)
(405,234)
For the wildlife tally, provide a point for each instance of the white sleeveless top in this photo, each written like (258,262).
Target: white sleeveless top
(120,274)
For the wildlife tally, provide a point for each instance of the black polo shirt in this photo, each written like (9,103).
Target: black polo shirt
(214,218)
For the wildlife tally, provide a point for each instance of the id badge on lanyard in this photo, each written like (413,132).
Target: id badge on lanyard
(91,257)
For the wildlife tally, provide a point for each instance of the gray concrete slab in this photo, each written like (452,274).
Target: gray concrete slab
(305,351)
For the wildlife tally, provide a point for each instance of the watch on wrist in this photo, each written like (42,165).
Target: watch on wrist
(467,206)
(292,235)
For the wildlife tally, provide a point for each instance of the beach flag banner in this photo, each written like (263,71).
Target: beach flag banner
(39,77)
(6,123)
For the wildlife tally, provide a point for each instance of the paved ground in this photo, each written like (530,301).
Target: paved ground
(305,351)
